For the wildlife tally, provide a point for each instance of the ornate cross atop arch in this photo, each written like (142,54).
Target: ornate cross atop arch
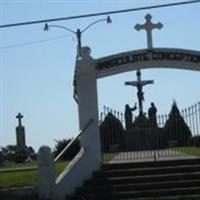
(148,26)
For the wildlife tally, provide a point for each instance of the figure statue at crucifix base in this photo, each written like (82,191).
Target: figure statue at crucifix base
(128,115)
(152,115)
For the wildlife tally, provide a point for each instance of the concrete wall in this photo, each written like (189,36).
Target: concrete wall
(30,193)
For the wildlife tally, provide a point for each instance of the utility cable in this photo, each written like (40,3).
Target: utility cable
(32,42)
(98,14)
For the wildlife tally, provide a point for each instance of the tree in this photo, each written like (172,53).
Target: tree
(71,152)
(175,128)
(9,152)
(16,154)
(111,132)
(195,141)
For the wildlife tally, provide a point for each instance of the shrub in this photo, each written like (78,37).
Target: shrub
(111,133)
(71,152)
(1,159)
(195,141)
(20,156)
(176,128)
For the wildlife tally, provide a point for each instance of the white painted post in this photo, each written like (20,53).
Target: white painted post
(46,174)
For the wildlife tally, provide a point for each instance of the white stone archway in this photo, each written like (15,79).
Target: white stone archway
(148,58)
(88,70)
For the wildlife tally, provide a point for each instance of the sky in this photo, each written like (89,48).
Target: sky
(36,67)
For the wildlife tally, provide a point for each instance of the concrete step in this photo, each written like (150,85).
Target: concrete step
(139,186)
(146,171)
(185,197)
(157,193)
(143,178)
(148,164)
(138,195)
(143,181)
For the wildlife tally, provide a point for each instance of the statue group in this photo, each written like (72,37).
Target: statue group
(142,131)
(128,115)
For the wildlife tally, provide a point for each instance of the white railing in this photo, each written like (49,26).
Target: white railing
(72,141)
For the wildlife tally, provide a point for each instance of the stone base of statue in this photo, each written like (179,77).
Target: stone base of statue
(21,155)
(143,135)
(2,159)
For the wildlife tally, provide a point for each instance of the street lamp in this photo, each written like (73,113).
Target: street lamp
(78,32)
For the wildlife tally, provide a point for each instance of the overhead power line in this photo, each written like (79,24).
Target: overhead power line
(98,14)
(32,42)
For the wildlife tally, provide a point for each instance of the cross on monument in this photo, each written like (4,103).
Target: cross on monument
(139,84)
(19,117)
(148,26)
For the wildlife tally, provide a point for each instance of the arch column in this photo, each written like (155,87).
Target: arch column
(88,106)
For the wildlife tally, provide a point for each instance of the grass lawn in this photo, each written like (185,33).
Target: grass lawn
(27,178)
(108,157)
(195,151)
(10,165)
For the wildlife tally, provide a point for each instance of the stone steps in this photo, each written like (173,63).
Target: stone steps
(145,180)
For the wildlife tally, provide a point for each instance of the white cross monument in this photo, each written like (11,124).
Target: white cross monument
(148,27)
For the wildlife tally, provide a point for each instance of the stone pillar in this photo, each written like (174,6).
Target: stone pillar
(88,106)
(46,174)
(20,134)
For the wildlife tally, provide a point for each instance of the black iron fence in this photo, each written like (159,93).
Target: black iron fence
(172,136)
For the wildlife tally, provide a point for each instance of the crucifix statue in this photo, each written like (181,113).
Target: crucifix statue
(148,27)
(139,84)
(19,117)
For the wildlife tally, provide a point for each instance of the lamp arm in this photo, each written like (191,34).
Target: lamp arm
(95,22)
(63,27)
